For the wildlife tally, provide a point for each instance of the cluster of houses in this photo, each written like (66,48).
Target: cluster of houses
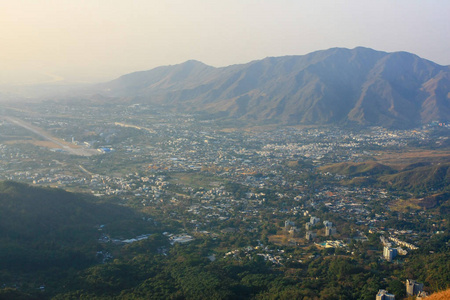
(329,229)
(389,252)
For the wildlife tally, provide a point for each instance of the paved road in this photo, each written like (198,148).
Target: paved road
(134,126)
(48,137)
(84,170)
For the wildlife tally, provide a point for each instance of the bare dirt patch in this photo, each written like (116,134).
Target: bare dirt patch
(401,159)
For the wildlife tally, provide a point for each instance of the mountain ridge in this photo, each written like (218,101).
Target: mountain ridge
(360,86)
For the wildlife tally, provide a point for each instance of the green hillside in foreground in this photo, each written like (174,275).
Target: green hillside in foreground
(27,212)
(49,233)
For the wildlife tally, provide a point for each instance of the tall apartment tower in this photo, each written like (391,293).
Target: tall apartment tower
(287,225)
(314,220)
(389,253)
(330,231)
(310,235)
(308,225)
(413,288)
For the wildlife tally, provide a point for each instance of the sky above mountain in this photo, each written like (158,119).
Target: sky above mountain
(98,40)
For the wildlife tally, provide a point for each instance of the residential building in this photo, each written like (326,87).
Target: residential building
(314,220)
(293,232)
(384,295)
(413,288)
(288,224)
(310,235)
(308,226)
(389,253)
(330,231)
(327,224)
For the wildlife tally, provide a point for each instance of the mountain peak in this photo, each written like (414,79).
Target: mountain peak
(337,85)
(194,63)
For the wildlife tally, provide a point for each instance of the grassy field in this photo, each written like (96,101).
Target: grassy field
(400,159)
(444,295)
(401,205)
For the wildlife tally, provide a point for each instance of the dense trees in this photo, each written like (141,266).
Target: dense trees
(49,238)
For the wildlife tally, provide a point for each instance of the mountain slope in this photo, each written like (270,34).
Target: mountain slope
(338,85)
(434,177)
(416,177)
(49,232)
(28,212)
(358,169)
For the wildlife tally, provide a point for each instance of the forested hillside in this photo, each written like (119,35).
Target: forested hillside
(47,235)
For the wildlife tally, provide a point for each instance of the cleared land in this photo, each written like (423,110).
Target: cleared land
(196,180)
(410,157)
(53,142)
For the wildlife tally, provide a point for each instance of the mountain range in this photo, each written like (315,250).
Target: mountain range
(334,86)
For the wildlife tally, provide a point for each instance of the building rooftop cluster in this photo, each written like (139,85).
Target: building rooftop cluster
(219,182)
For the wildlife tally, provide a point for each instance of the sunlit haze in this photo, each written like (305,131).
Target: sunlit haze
(93,40)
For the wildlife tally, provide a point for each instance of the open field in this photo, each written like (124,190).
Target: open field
(46,144)
(34,141)
(399,159)
(52,142)
(401,205)
(427,202)
(196,180)
(281,239)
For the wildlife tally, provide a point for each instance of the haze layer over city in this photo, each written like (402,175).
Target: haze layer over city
(93,41)
(224,150)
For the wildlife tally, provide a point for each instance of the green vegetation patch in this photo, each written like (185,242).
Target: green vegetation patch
(196,180)
(48,235)
(358,169)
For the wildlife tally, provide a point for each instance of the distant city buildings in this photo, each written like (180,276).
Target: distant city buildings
(159,148)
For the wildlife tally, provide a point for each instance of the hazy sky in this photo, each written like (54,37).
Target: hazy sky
(97,40)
